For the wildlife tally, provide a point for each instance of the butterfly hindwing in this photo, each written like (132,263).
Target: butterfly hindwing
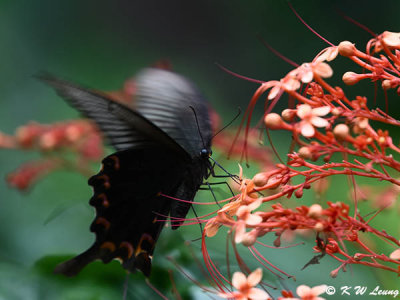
(130,210)
(188,188)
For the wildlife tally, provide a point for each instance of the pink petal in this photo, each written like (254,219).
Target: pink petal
(211,228)
(240,171)
(242,211)
(255,277)
(230,206)
(395,254)
(291,84)
(239,232)
(255,204)
(258,294)
(307,76)
(319,122)
(319,289)
(392,39)
(238,280)
(363,122)
(249,238)
(274,91)
(253,219)
(226,295)
(323,69)
(303,290)
(321,111)
(303,110)
(328,54)
(233,295)
(307,130)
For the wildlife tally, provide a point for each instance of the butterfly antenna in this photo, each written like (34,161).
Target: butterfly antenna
(229,124)
(198,126)
(234,177)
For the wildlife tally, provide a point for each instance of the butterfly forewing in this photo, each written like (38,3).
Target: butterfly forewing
(124,127)
(170,101)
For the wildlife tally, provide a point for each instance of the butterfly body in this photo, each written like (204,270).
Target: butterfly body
(160,152)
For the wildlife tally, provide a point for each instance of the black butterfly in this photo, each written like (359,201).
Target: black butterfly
(163,148)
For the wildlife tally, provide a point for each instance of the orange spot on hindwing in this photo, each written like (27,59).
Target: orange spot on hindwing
(108,246)
(100,199)
(146,244)
(116,164)
(100,221)
(127,247)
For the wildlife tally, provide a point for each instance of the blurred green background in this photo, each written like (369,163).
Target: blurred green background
(100,44)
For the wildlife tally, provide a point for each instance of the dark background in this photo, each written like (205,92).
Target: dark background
(100,44)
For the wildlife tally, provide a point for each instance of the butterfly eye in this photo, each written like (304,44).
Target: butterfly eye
(205,153)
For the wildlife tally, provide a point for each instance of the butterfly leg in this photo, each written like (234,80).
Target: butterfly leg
(216,183)
(228,174)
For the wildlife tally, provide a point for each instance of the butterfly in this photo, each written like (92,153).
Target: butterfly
(163,142)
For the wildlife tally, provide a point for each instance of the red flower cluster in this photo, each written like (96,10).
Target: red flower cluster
(55,143)
(323,122)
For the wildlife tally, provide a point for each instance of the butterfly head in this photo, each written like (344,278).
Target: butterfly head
(205,153)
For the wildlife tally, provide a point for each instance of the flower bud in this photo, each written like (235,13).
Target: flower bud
(319,227)
(277,241)
(315,211)
(273,121)
(341,131)
(351,78)
(253,195)
(386,84)
(274,182)
(26,135)
(334,273)
(305,153)
(288,114)
(48,141)
(347,48)
(298,193)
(73,132)
(358,256)
(336,111)
(260,179)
